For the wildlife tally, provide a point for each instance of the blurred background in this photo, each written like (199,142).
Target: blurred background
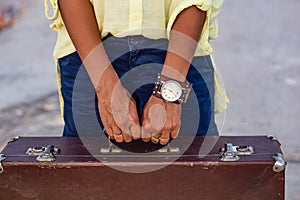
(257,53)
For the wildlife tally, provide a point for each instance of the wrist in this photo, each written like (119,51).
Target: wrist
(108,80)
(175,66)
(177,71)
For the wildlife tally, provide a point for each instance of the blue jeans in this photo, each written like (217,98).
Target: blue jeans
(137,60)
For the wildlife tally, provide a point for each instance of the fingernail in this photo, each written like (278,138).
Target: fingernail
(129,140)
(146,139)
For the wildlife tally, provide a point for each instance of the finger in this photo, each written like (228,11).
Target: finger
(135,132)
(176,122)
(124,120)
(117,133)
(155,140)
(175,131)
(125,130)
(133,111)
(156,128)
(118,137)
(146,131)
(107,120)
(109,133)
(164,141)
(145,134)
(135,129)
(155,134)
(149,132)
(127,136)
(153,119)
(165,133)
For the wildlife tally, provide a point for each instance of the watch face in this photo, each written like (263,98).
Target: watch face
(171,91)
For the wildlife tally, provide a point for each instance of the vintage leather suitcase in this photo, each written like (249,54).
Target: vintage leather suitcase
(238,167)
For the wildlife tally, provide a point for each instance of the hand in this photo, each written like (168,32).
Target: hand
(117,108)
(161,121)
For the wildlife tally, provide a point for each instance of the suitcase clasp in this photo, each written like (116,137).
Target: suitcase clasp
(2,157)
(49,154)
(35,151)
(231,153)
(44,154)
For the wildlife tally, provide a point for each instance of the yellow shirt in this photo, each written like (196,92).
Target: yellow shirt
(150,18)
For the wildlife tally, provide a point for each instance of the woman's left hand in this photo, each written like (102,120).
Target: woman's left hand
(161,120)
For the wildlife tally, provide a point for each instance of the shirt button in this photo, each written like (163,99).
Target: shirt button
(136,17)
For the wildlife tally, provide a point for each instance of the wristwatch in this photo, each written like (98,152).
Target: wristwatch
(171,90)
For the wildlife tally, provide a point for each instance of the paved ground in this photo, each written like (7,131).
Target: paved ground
(257,53)
(27,70)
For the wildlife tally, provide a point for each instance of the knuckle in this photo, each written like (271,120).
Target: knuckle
(156,128)
(174,134)
(121,121)
(134,118)
(109,132)
(106,123)
(146,123)
(122,125)
(176,123)
(132,102)
(168,127)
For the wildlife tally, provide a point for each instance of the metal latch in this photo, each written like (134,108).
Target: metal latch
(272,137)
(13,139)
(44,154)
(2,157)
(231,153)
(279,164)
(35,151)
(169,149)
(111,148)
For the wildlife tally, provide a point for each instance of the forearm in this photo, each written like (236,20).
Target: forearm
(184,38)
(80,21)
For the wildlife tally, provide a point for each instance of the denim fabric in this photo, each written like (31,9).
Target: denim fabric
(137,60)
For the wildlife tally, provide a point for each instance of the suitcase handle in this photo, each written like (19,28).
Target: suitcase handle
(111,148)
(115,149)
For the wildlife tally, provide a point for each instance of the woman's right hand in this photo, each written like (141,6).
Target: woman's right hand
(117,108)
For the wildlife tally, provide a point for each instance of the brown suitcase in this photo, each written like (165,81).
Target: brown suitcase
(226,167)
